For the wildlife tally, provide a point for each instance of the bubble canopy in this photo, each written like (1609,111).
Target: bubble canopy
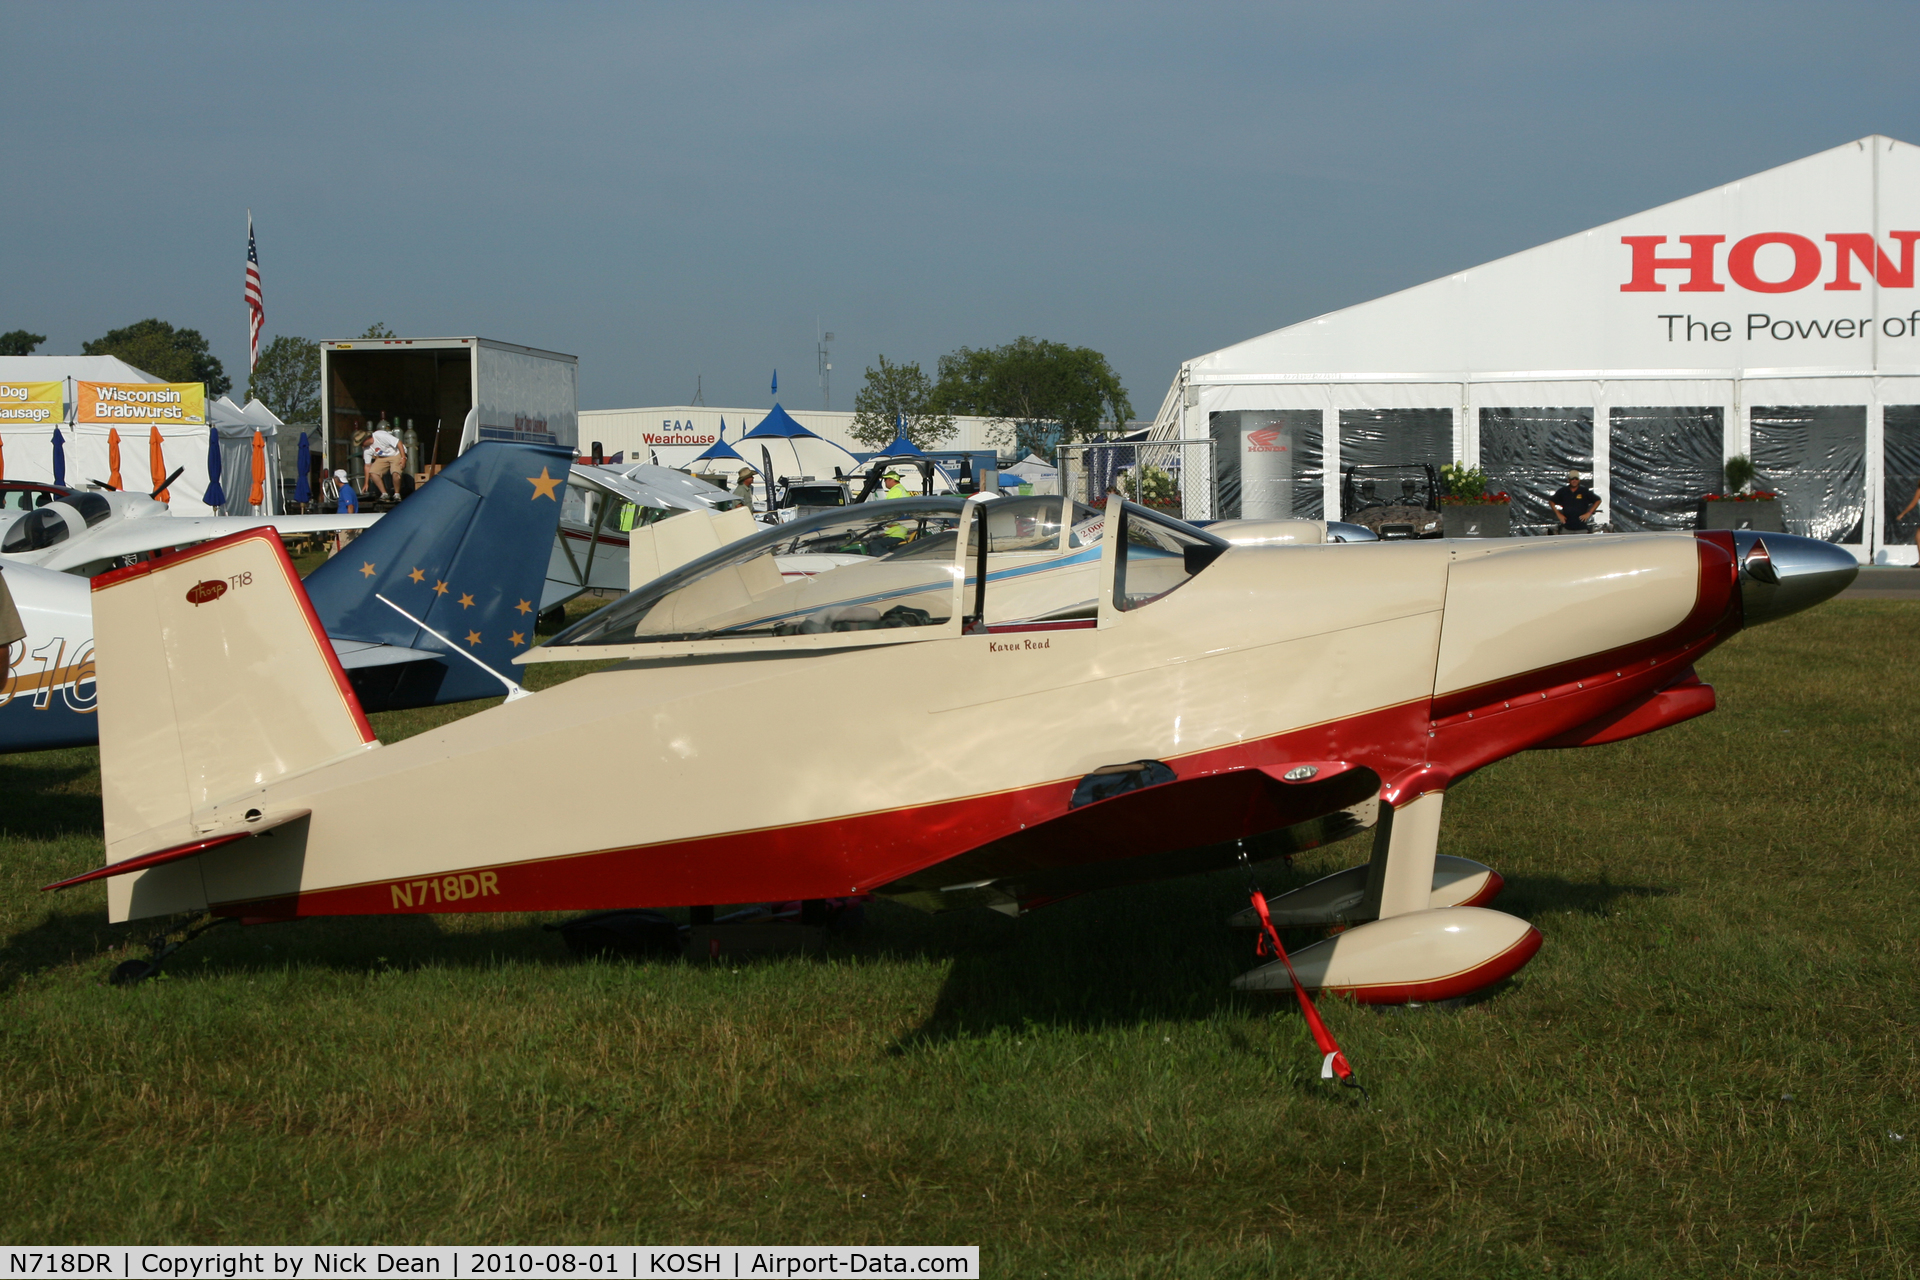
(896,568)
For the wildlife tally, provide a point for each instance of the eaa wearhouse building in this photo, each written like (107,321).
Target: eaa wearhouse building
(1777,316)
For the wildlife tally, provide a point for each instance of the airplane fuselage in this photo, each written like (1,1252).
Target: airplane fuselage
(1403,664)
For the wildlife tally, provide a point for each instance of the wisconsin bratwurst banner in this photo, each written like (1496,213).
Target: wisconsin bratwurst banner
(159,403)
(31,402)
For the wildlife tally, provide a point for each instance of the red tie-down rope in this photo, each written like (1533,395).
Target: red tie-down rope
(1333,1062)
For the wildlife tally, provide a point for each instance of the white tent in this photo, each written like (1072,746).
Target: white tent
(1777,317)
(236,426)
(1030,470)
(28,450)
(793,450)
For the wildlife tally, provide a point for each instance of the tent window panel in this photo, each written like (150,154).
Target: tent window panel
(1815,457)
(1268,464)
(1395,437)
(1902,481)
(1664,459)
(1528,452)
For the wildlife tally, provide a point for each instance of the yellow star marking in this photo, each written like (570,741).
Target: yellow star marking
(439,588)
(473,637)
(525,606)
(366,568)
(544,485)
(466,601)
(516,639)
(418,576)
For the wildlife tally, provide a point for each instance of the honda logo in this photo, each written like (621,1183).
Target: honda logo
(1794,263)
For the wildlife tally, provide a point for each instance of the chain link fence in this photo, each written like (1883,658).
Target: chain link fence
(1174,476)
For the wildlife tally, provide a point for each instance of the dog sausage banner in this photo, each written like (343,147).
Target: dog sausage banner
(34,402)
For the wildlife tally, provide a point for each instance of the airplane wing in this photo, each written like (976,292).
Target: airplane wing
(131,537)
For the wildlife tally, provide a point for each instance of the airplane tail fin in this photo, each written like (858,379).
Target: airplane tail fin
(217,678)
(466,555)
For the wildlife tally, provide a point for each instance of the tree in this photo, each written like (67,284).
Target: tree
(20,342)
(379,330)
(169,354)
(1046,392)
(893,392)
(286,379)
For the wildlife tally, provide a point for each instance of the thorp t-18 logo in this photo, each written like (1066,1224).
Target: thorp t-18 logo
(1796,263)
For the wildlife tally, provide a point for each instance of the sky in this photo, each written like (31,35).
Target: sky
(682,195)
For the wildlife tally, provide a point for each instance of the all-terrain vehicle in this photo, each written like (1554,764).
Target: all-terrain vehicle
(1396,501)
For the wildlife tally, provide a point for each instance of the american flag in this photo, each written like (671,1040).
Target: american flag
(256,313)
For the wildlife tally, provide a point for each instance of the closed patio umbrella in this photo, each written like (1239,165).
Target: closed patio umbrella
(302,486)
(157,461)
(259,494)
(113,457)
(215,496)
(59,457)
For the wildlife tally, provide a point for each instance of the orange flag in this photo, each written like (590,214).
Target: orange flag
(113,457)
(259,494)
(158,462)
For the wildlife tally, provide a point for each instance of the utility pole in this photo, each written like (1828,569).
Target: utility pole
(699,398)
(826,366)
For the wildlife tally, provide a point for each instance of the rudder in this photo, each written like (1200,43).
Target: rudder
(216,677)
(466,554)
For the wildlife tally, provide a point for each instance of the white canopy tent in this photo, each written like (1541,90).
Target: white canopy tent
(1777,317)
(236,426)
(27,450)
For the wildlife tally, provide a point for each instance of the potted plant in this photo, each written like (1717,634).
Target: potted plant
(1742,506)
(1468,510)
(1152,486)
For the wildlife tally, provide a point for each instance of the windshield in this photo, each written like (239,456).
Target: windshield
(818,495)
(36,531)
(892,573)
(91,507)
(1157,555)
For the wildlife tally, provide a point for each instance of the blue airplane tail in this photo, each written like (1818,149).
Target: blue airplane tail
(466,555)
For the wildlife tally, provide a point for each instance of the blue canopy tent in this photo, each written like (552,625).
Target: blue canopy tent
(779,424)
(796,451)
(719,451)
(901,446)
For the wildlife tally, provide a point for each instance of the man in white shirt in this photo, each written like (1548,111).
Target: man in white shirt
(385,458)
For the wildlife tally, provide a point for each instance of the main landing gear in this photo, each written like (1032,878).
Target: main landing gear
(159,947)
(1418,931)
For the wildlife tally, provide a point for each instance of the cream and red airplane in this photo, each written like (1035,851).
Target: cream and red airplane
(1203,700)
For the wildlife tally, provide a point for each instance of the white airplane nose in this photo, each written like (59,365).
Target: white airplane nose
(1783,573)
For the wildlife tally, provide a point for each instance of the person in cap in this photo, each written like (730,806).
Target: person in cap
(743,487)
(349,500)
(1573,503)
(894,488)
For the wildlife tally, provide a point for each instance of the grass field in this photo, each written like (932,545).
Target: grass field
(1703,1073)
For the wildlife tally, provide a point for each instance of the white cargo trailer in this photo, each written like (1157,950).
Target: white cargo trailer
(430,385)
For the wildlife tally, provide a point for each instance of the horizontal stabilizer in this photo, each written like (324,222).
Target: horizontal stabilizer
(355,654)
(245,829)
